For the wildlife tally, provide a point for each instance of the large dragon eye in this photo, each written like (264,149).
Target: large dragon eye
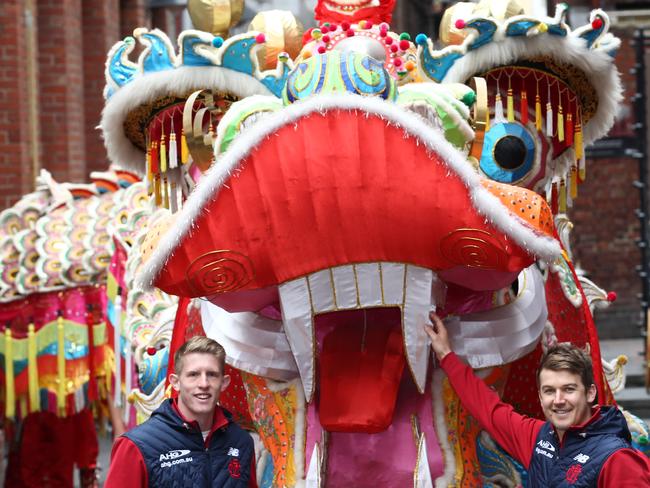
(510,154)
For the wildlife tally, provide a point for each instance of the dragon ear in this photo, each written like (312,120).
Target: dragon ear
(242,115)
(446,106)
(199,120)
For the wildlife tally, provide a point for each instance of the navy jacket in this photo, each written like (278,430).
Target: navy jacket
(578,459)
(175,453)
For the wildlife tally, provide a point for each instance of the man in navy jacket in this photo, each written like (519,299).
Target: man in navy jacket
(578,445)
(189,441)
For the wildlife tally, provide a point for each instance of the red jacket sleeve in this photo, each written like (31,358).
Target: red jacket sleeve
(514,432)
(127,466)
(627,468)
(252,481)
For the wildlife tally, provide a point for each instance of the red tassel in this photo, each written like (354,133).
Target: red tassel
(554,199)
(568,133)
(524,108)
(155,167)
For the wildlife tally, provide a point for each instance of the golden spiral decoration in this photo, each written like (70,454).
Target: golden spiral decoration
(473,247)
(219,272)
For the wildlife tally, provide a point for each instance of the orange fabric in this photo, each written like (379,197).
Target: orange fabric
(333,189)
(525,204)
(273,414)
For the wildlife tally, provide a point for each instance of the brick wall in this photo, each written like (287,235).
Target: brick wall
(71,39)
(606,226)
(101,29)
(15,139)
(133,13)
(61,87)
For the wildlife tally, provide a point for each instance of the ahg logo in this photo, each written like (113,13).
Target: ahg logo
(174,454)
(546,445)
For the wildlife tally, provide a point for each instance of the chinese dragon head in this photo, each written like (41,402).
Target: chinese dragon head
(336,201)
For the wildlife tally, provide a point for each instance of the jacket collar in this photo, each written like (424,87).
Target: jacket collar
(220,419)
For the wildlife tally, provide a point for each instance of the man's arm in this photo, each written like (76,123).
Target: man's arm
(627,468)
(514,432)
(127,466)
(252,481)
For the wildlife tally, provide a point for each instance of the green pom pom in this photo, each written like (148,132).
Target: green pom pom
(469,98)
(405,36)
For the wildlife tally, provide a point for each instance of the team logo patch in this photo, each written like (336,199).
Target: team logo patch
(573,473)
(234,468)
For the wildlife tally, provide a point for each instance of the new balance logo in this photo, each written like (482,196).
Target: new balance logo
(546,445)
(233,452)
(581,458)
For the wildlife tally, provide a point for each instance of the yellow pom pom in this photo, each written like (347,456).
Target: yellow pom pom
(542,27)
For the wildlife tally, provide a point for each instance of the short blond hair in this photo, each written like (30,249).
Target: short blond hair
(200,345)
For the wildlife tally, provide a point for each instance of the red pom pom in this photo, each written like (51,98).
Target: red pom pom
(260,38)
(404,44)
(333,27)
(388,41)
(368,25)
(345,25)
(397,62)
(349,33)
(394,48)
(324,29)
(460,24)
(151,350)
(383,34)
(597,23)
(326,39)
(611,296)
(321,49)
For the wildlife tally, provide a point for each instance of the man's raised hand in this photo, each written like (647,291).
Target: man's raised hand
(438,335)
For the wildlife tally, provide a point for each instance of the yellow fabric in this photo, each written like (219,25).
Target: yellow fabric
(510,106)
(574,182)
(32,371)
(10,395)
(48,334)
(163,154)
(578,141)
(562,196)
(538,113)
(184,149)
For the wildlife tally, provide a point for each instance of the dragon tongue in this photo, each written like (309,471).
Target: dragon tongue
(360,368)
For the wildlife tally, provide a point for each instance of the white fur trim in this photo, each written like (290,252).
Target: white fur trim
(214,179)
(147,88)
